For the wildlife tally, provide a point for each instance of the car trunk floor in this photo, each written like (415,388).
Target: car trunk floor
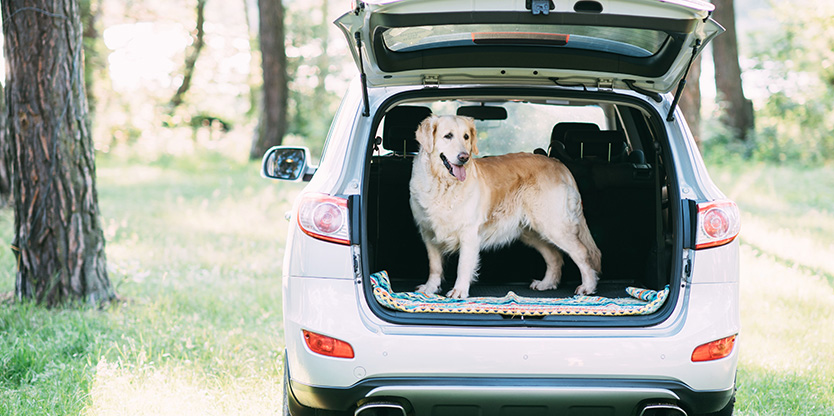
(609,289)
(514,299)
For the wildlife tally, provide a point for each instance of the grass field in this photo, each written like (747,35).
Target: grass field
(787,288)
(194,250)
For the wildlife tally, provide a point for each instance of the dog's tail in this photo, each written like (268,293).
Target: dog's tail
(594,255)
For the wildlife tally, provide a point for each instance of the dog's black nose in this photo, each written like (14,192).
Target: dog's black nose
(463,157)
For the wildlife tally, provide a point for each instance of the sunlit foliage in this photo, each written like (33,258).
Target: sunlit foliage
(793,52)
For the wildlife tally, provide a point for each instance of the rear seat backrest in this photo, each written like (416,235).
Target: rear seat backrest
(396,245)
(617,197)
(401,123)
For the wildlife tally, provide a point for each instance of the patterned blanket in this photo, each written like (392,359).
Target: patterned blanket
(640,302)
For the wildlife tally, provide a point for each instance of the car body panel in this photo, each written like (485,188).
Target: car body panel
(423,351)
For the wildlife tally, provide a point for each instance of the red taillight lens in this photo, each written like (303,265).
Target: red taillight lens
(325,345)
(324,217)
(718,223)
(714,350)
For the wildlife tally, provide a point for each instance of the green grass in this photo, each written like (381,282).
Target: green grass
(194,249)
(787,288)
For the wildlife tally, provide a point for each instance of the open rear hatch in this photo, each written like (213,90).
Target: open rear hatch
(645,45)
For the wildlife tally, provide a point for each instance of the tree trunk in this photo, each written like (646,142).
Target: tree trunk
(323,62)
(94,62)
(191,59)
(273,120)
(691,100)
(58,240)
(254,79)
(737,111)
(5,155)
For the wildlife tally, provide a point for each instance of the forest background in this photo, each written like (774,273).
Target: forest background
(137,50)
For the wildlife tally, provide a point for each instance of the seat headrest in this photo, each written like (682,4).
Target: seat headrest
(560,129)
(557,135)
(401,123)
(604,146)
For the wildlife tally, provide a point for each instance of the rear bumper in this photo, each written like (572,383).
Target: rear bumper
(502,396)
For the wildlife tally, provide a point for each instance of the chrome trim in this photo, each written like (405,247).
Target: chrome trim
(662,407)
(379,405)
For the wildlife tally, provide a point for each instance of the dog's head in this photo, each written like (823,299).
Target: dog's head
(449,141)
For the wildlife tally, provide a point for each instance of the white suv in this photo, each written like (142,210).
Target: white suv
(593,84)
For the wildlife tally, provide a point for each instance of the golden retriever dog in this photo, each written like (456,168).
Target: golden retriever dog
(467,204)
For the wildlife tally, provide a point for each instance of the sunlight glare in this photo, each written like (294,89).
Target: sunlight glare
(143,53)
(164,390)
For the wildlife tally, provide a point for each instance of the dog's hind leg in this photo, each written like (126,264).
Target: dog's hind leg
(584,257)
(552,257)
(432,285)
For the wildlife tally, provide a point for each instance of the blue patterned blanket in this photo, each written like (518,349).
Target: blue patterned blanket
(640,302)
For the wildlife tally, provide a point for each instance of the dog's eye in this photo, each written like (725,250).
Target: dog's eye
(465,137)
(448,136)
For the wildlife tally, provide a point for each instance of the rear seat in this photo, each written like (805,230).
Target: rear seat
(617,190)
(396,245)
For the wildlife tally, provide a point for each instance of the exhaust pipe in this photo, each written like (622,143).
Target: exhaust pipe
(662,409)
(380,409)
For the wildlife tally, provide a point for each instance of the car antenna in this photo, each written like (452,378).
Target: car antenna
(682,83)
(367,111)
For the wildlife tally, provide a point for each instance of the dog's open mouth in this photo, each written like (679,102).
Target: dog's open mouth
(458,171)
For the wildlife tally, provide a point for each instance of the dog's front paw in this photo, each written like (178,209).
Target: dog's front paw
(542,285)
(584,290)
(456,293)
(428,289)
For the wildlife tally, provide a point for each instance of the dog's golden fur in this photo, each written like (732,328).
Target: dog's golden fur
(467,205)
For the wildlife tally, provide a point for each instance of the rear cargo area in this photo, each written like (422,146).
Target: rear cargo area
(617,166)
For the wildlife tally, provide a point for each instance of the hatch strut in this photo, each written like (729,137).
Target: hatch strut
(367,111)
(682,83)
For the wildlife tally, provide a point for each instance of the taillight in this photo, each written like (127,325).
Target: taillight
(714,350)
(324,345)
(718,223)
(324,217)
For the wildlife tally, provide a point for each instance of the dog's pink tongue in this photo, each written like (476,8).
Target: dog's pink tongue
(459,171)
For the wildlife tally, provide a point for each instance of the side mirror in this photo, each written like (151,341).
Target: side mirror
(287,163)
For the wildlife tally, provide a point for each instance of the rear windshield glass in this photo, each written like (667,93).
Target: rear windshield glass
(528,125)
(623,41)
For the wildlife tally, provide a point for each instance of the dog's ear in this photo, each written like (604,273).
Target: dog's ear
(473,134)
(425,133)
